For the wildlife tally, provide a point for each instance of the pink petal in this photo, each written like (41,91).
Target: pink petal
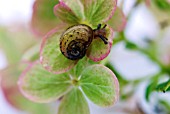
(112,12)
(148,2)
(43,18)
(98,50)
(118,21)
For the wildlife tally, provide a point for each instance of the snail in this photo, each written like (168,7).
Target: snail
(76,39)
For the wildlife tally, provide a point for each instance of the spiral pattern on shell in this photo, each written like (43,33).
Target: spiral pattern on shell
(75,41)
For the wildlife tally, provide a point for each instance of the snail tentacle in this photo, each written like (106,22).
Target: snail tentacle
(101,33)
(104,39)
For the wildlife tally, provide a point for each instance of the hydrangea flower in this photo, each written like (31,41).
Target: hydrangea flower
(147,2)
(96,82)
(69,13)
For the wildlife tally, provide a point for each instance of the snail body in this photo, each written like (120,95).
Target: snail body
(75,41)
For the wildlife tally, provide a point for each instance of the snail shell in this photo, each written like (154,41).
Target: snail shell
(75,41)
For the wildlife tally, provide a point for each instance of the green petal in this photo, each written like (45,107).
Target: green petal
(50,55)
(12,94)
(98,11)
(41,86)
(43,18)
(76,6)
(100,85)
(98,50)
(66,14)
(74,103)
(118,21)
(76,71)
(80,66)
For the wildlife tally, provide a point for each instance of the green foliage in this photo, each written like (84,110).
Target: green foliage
(163,4)
(163,87)
(98,12)
(13,95)
(42,86)
(154,86)
(74,103)
(51,57)
(150,88)
(73,81)
(130,45)
(64,13)
(100,85)
(97,82)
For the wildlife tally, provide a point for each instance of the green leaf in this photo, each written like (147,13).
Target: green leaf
(161,14)
(41,86)
(118,21)
(151,87)
(100,85)
(66,14)
(163,4)
(43,18)
(163,87)
(130,45)
(98,11)
(74,103)
(50,55)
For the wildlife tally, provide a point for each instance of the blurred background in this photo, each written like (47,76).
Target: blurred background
(141,62)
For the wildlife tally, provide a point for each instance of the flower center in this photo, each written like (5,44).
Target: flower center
(75,82)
